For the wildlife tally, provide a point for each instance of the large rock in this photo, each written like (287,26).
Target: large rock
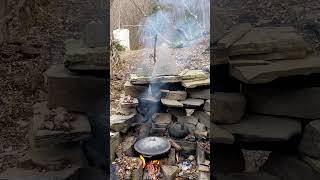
(293,102)
(81,58)
(255,128)
(268,40)
(310,143)
(228,108)
(75,92)
(260,74)
(289,167)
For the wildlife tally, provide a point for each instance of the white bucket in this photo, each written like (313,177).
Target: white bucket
(122,35)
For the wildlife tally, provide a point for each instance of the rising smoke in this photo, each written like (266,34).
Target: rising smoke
(178,23)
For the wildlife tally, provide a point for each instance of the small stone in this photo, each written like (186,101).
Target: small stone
(191,158)
(169,172)
(203,168)
(200,127)
(66,125)
(49,125)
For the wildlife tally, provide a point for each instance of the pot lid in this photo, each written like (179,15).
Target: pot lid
(152,146)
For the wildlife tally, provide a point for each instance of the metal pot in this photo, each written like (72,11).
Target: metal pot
(152,146)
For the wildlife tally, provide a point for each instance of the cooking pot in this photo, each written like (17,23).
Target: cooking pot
(152,146)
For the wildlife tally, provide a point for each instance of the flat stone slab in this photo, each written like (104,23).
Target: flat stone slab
(192,103)
(260,74)
(121,123)
(290,102)
(171,103)
(255,128)
(310,142)
(165,79)
(220,135)
(139,80)
(268,40)
(199,93)
(188,74)
(174,95)
(79,57)
(195,83)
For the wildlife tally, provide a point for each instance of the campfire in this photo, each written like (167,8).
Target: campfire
(152,168)
(165,114)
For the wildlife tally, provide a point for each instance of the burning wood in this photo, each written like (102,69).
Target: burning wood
(152,167)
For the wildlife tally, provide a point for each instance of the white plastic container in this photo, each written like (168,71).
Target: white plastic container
(123,36)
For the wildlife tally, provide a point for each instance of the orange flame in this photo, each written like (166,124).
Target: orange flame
(143,161)
(153,168)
